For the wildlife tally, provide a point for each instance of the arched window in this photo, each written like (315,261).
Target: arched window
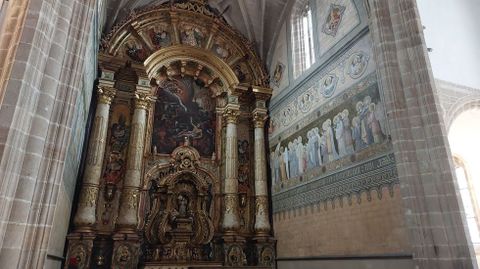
(468,195)
(302,37)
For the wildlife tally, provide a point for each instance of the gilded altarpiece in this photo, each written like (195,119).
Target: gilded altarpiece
(179,178)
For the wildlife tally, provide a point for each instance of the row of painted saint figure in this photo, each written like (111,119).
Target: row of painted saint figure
(337,139)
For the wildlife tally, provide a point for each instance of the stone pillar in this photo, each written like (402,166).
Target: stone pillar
(433,212)
(85,217)
(230,217)
(127,217)
(262,223)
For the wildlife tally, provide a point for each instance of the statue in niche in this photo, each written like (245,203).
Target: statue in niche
(120,135)
(114,169)
(182,206)
(243,161)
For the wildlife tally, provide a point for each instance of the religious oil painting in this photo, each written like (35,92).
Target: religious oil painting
(184,109)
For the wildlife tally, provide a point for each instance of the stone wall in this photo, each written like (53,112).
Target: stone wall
(44,44)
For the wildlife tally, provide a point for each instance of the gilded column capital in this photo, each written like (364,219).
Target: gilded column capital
(143,100)
(259,119)
(231,115)
(106,94)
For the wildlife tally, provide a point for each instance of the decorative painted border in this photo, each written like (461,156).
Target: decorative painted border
(374,174)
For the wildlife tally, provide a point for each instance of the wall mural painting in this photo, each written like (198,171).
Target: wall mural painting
(335,15)
(345,130)
(160,37)
(184,108)
(220,49)
(278,74)
(192,35)
(135,51)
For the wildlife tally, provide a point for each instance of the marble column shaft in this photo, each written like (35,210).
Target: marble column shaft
(230,217)
(127,217)
(262,223)
(85,216)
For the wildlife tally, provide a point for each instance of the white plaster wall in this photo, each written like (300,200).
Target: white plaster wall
(453,31)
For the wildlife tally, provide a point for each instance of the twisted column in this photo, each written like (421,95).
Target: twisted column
(127,217)
(262,224)
(85,217)
(230,217)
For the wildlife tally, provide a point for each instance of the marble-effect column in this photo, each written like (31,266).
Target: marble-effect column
(230,218)
(127,217)
(262,223)
(85,217)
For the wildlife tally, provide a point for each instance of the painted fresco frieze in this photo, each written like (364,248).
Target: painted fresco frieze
(331,140)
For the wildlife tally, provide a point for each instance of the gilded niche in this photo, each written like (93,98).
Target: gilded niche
(178,225)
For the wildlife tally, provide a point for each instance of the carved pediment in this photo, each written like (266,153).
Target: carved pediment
(185,158)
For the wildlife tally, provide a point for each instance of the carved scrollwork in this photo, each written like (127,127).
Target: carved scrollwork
(231,115)
(125,255)
(235,256)
(259,119)
(185,158)
(267,256)
(78,254)
(261,205)
(106,94)
(143,100)
(231,203)
(179,223)
(131,198)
